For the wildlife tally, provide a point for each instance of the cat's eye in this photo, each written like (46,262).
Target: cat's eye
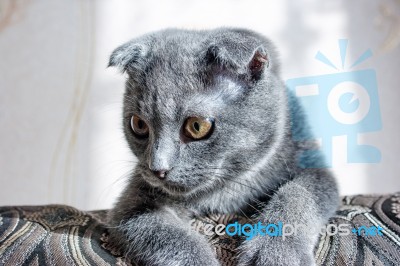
(139,127)
(197,128)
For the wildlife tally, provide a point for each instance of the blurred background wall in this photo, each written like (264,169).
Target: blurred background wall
(60,107)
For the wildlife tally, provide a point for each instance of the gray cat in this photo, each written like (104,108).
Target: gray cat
(208,118)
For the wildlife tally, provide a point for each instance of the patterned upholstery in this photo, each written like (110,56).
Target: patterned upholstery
(62,235)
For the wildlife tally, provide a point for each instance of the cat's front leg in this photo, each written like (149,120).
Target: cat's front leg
(306,202)
(160,237)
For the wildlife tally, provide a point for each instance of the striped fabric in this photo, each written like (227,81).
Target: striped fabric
(62,235)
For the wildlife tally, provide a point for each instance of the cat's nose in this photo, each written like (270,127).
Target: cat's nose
(160,174)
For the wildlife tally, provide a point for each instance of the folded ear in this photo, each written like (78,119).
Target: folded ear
(233,61)
(126,56)
(258,62)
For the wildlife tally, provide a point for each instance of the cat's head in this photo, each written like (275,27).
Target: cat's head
(201,108)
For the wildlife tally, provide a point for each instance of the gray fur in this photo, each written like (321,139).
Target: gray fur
(247,166)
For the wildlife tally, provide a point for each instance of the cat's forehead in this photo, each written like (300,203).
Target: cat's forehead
(171,98)
(173,76)
(178,71)
(171,81)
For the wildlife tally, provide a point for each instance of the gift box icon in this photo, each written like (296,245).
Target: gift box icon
(337,104)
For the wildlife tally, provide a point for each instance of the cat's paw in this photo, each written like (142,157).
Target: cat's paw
(273,251)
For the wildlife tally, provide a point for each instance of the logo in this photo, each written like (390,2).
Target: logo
(283,230)
(337,104)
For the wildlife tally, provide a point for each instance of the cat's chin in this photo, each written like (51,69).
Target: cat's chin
(176,191)
(184,192)
(170,189)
